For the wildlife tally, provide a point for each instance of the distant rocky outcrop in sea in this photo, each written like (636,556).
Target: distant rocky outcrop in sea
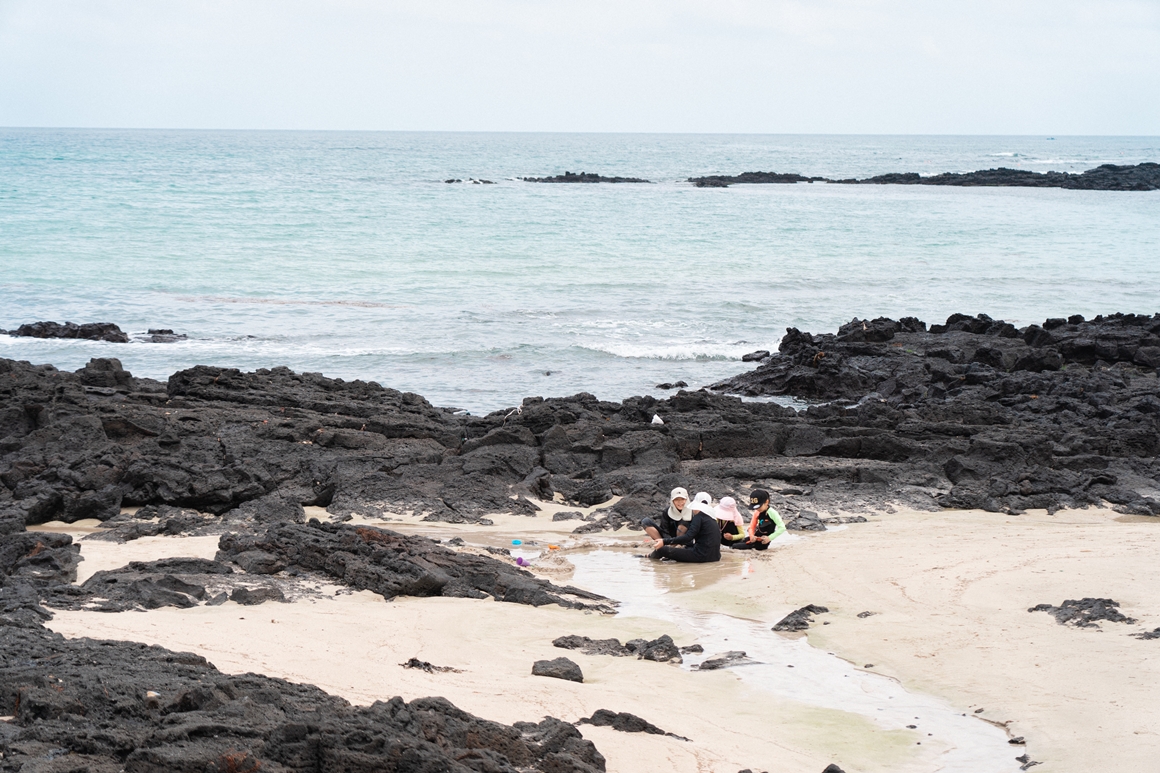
(582,177)
(1108,177)
(753,178)
(93,331)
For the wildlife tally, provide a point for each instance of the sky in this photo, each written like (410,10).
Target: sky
(737,66)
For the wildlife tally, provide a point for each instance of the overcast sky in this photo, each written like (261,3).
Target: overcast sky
(812,66)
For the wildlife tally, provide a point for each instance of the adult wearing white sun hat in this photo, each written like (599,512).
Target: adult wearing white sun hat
(674,520)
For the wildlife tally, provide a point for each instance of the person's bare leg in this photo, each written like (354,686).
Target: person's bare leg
(682,529)
(652,532)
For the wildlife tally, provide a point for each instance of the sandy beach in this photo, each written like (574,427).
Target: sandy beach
(949,592)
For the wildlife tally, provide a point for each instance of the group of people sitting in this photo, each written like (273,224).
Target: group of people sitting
(693,532)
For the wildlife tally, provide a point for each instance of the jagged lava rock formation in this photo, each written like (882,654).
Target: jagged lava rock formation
(109,706)
(970,414)
(1061,414)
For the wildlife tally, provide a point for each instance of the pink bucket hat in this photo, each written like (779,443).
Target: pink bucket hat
(727,511)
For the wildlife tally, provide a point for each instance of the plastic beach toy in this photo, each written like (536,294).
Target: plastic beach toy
(517,542)
(521,562)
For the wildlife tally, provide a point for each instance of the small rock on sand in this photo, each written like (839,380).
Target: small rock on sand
(251,596)
(724,660)
(559,668)
(622,721)
(1085,612)
(799,619)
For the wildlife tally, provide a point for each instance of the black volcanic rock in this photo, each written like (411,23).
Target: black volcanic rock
(254,596)
(660,650)
(973,412)
(1108,177)
(758,178)
(165,336)
(38,559)
(105,372)
(1063,414)
(121,706)
(725,660)
(582,177)
(1085,612)
(558,668)
(800,619)
(623,722)
(393,564)
(93,331)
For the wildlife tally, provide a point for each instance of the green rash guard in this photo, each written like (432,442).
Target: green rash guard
(769,515)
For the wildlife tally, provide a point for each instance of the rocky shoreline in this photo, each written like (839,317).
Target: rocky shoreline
(972,413)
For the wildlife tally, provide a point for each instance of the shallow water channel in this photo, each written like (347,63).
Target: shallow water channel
(789,667)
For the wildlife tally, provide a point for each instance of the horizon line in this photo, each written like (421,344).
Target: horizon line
(1045,135)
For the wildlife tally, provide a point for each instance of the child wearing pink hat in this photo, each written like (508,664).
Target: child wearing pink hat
(730,521)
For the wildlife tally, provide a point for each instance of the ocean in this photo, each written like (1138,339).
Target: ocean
(347,253)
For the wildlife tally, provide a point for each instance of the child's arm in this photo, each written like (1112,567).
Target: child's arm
(752,527)
(779,525)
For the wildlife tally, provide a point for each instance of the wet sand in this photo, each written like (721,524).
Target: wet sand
(951,592)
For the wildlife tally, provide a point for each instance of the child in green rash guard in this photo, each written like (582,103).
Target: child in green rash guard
(766,525)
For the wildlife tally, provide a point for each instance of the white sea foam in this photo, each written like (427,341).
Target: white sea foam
(673,352)
(206,299)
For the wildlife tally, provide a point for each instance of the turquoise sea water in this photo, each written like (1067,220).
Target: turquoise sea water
(346,253)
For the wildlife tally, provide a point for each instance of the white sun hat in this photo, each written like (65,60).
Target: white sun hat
(702,502)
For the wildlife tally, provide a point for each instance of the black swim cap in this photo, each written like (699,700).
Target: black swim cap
(759,497)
